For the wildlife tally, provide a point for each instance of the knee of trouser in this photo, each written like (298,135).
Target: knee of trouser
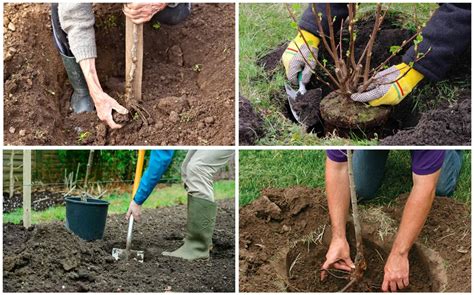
(365,193)
(445,188)
(173,15)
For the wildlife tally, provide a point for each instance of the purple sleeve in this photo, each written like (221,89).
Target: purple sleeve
(424,162)
(337,155)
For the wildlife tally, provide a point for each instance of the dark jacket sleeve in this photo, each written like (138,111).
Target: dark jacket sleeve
(448,33)
(308,20)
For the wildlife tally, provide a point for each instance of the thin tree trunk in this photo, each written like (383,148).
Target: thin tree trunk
(360,260)
(88,171)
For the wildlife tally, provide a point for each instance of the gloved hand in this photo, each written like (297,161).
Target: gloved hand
(135,210)
(388,88)
(295,63)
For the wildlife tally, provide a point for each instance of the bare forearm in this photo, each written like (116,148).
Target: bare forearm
(92,79)
(338,196)
(415,213)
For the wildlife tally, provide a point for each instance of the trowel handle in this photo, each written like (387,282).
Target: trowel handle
(129,233)
(302,87)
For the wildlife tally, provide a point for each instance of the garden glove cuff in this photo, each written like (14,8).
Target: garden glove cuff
(294,61)
(390,86)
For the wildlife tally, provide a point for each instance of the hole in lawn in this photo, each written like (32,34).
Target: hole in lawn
(304,260)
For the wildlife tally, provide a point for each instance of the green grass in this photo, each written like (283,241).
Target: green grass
(162,197)
(265,26)
(261,169)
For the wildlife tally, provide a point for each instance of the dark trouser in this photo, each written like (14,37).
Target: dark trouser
(369,166)
(171,15)
(447,35)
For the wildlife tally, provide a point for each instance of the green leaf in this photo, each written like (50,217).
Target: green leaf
(294,25)
(296,6)
(394,49)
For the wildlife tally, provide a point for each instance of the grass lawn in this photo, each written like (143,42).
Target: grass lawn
(261,169)
(162,197)
(262,27)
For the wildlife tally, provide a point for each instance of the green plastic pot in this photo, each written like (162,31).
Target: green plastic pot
(86,219)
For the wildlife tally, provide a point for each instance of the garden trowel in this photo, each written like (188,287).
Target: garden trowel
(128,253)
(293,96)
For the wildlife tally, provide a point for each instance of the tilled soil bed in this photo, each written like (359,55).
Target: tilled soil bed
(445,118)
(284,237)
(188,80)
(48,258)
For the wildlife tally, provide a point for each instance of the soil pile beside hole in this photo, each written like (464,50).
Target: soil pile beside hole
(250,123)
(283,221)
(185,60)
(50,259)
(450,124)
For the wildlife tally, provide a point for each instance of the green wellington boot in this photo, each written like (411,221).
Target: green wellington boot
(80,99)
(200,227)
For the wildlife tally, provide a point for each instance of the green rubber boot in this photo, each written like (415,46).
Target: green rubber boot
(200,227)
(81,101)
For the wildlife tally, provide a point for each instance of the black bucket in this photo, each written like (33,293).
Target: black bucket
(86,219)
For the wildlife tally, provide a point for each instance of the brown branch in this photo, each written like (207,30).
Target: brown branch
(321,32)
(332,37)
(371,42)
(351,282)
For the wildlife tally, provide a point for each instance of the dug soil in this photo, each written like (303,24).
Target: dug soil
(250,123)
(284,238)
(48,258)
(445,123)
(188,80)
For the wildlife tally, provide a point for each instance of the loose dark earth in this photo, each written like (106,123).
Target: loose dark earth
(284,237)
(188,80)
(48,258)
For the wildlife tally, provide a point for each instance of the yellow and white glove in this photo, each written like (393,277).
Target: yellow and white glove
(293,60)
(388,88)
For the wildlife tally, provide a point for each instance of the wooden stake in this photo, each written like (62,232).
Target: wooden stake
(27,188)
(133,60)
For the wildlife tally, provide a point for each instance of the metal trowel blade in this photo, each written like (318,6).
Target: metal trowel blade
(292,94)
(123,254)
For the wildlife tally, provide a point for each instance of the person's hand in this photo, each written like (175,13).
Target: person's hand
(294,61)
(142,12)
(104,105)
(396,273)
(135,210)
(390,86)
(338,257)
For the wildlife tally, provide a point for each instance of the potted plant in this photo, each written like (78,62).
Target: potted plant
(348,72)
(86,215)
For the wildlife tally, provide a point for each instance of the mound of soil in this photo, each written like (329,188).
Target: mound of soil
(47,258)
(185,61)
(451,123)
(284,237)
(403,118)
(40,200)
(250,123)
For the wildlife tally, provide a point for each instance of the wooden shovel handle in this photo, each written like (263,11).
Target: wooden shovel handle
(138,172)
